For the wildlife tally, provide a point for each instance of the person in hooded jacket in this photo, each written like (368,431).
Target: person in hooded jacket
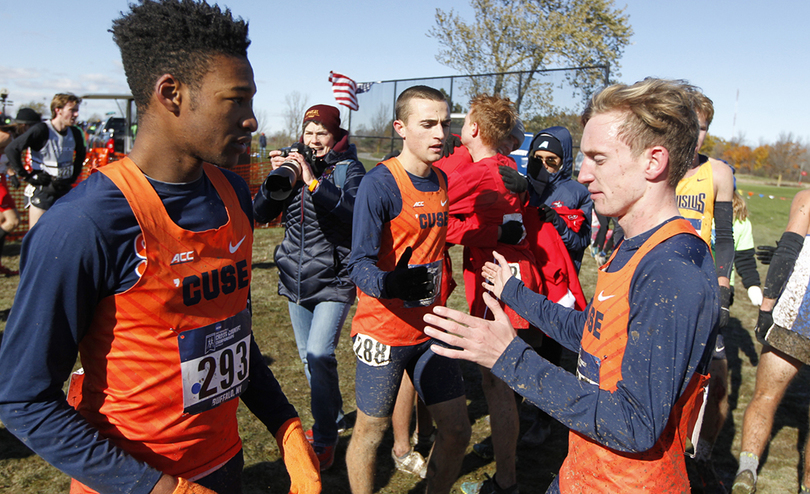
(313,257)
(559,199)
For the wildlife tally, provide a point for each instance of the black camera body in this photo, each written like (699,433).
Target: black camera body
(281,180)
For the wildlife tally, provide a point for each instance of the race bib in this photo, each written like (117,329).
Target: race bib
(515,217)
(435,270)
(215,362)
(370,351)
(514,268)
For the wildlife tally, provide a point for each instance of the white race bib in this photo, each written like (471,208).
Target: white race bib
(215,362)
(370,351)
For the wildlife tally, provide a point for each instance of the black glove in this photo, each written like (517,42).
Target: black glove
(61,184)
(513,180)
(765,253)
(38,178)
(764,324)
(450,144)
(14,180)
(408,284)
(725,299)
(549,215)
(511,232)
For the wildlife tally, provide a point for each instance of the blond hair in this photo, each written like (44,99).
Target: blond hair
(740,208)
(657,112)
(61,100)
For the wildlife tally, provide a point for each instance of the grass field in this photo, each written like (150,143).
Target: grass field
(21,471)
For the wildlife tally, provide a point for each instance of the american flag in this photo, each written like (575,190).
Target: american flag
(346,90)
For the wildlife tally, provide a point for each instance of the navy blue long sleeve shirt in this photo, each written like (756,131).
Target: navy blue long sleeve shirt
(81,251)
(674,309)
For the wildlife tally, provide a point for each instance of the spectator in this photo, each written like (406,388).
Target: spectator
(263,145)
(9,218)
(57,155)
(559,200)
(313,260)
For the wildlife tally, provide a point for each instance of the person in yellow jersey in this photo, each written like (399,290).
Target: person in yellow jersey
(705,195)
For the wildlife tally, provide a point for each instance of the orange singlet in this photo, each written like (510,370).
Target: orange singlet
(590,466)
(422,225)
(165,359)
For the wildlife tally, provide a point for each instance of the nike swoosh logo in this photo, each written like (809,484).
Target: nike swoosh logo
(233,248)
(701,179)
(444,202)
(601,297)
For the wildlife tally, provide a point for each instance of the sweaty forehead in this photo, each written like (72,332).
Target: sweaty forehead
(428,110)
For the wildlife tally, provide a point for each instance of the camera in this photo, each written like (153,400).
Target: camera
(279,182)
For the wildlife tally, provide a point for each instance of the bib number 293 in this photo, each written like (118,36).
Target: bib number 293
(215,362)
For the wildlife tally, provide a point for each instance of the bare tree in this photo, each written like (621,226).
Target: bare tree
(262,120)
(296,104)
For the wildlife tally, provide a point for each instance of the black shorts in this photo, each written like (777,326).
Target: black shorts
(379,373)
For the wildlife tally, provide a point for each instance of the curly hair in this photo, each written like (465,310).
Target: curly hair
(657,112)
(495,117)
(177,37)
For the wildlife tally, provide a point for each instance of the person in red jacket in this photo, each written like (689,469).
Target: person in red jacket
(479,198)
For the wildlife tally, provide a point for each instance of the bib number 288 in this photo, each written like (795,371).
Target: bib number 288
(370,351)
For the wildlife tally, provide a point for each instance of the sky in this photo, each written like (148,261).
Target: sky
(746,56)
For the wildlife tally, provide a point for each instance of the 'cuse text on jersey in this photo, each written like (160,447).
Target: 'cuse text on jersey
(210,284)
(429,220)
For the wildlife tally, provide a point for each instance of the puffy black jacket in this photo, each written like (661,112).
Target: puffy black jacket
(312,257)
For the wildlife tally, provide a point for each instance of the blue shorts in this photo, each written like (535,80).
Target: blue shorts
(379,373)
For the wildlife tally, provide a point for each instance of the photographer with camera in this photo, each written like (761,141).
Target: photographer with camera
(314,183)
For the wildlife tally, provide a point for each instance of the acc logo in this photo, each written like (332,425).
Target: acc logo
(419,204)
(183,257)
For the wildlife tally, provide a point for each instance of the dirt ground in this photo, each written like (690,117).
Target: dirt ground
(21,471)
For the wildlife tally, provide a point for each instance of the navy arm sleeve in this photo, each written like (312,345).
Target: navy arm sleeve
(51,313)
(659,360)
(724,238)
(378,201)
(34,138)
(263,396)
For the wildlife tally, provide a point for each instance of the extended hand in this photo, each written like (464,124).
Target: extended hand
(477,340)
(496,275)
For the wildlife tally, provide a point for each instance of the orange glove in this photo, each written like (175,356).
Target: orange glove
(186,487)
(299,458)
